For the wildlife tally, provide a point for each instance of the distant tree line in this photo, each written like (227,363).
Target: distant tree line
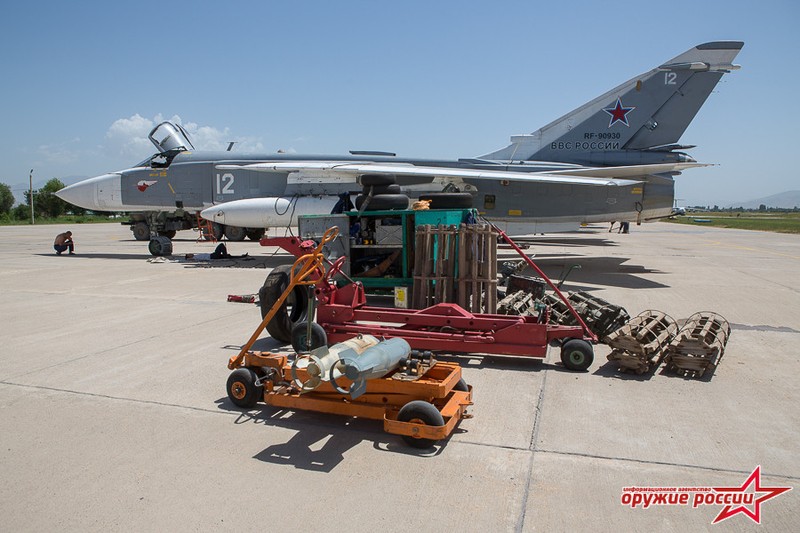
(45,203)
(761,209)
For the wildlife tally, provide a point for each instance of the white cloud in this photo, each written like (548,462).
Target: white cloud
(129,136)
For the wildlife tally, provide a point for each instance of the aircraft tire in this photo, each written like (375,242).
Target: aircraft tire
(255,234)
(160,246)
(293,311)
(234,233)
(169,234)
(141,231)
(383,202)
(218,230)
(377,179)
(382,189)
(448,200)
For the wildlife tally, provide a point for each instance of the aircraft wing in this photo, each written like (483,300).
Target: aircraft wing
(632,171)
(340,169)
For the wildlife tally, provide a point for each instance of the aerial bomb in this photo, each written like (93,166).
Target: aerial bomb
(319,362)
(374,362)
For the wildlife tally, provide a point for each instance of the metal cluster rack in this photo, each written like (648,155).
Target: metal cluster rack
(699,344)
(640,344)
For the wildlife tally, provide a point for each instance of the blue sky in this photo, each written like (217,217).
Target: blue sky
(83,82)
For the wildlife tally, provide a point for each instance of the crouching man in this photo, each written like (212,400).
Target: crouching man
(63,243)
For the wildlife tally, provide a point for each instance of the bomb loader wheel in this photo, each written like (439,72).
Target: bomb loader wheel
(302,342)
(577,354)
(420,412)
(242,388)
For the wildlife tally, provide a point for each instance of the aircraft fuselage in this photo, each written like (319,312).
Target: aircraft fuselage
(193,181)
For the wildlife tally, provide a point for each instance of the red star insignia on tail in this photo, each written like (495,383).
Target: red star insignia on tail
(755,480)
(619,113)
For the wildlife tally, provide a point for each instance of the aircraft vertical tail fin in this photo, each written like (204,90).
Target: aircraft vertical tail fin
(638,122)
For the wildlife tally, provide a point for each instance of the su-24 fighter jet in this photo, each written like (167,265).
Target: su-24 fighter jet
(612,159)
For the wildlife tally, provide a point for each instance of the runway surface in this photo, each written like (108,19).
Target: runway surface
(114,415)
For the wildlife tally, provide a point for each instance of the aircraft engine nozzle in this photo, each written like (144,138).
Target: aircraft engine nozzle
(319,362)
(375,362)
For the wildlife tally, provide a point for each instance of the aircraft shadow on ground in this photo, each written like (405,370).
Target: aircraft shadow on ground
(90,255)
(270,261)
(606,271)
(535,242)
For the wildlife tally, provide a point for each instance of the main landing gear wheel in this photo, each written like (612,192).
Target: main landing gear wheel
(169,234)
(234,233)
(420,412)
(218,230)
(254,234)
(141,231)
(242,389)
(577,354)
(294,309)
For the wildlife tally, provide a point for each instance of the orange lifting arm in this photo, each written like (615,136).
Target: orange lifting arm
(301,270)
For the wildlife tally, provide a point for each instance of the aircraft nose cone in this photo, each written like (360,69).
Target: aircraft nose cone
(80,194)
(85,193)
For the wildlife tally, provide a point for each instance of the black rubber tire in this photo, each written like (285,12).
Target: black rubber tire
(377,179)
(461,386)
(242,389)
(448,200)
(577,354)
(383,202)
(382,189)
(293,311)
(169,234)
(255,234)
(218,230)
(234,233)
(141,231)
(424,412)
(300,337)
(160,246)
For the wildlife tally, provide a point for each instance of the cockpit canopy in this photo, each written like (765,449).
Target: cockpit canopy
(169,137)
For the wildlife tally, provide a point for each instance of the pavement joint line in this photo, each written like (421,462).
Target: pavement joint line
(109,397)
(532,448)
(664,463)
(102,352)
